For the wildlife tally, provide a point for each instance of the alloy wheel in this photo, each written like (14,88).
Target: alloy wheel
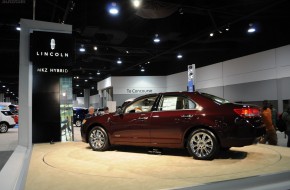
(202,144)
(3,128)
(98,139)
(78,123)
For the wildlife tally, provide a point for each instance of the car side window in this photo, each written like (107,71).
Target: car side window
(176,103)
(142,105)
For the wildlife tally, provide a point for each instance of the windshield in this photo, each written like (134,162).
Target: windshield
(216,99)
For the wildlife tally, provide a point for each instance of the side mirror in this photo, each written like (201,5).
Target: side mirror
(119,111)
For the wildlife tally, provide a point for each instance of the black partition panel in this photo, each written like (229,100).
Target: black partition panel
(45,109)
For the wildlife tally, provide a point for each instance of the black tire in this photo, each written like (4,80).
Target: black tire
(78,123)
(3,127)
(98,139)
(202,144)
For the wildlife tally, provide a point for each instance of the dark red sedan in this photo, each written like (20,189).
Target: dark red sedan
(200,122)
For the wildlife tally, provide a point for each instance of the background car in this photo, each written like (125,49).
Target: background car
(200,122)
(6,121)
(79,115)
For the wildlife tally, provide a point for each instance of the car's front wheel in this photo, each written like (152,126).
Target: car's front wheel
(3,127)
(202,144)
(78,123)
(98,139)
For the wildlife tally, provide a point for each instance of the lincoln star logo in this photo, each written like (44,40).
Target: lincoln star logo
(52,44)
(52,54)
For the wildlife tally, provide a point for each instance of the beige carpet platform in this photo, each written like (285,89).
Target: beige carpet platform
(74,166)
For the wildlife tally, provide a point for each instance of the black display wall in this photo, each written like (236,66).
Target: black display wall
(46,109)
(52,55)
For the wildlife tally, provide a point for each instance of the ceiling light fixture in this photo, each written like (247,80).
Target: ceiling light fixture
(18,28)
(180,11)
(98,73)
(179,56)
(93,87)
(82,49)
(119,61)
(3,86)
(156,39)
(113,9)
(211,34)
(136,3)
(86,80)
(227,28)
(95,48)
(127,51)
(77,85)
(142,69)
(251,28)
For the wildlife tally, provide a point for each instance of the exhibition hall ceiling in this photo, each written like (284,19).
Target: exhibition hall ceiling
(149,37)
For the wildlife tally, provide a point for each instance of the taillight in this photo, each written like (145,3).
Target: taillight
(248,112)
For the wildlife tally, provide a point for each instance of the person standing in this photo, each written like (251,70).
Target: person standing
(91,112)
(286,118)
(106,110)
(270,136)
(274,115)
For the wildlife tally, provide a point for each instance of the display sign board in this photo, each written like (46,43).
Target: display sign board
(191,78)
(52,49)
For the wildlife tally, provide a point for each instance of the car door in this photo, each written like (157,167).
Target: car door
(133,126)
(174,116)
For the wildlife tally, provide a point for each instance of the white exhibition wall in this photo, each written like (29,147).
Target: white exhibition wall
(259,76)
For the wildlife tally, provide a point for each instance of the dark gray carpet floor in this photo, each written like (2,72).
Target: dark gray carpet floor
(4,156)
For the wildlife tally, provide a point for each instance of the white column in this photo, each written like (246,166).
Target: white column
(26,74)
(87,97)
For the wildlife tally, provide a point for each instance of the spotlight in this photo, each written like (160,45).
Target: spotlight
(95,48)
(211,34)
(127,51)
(3,86)
(119,61)
(142,69)
(156,39)
(179,56)
(251,28)
(93,87)
(113,9)
(136,3)
(82,49)
(86,80)
(77,85)
(98,73)
(180,11)
(81,93)
(18,28)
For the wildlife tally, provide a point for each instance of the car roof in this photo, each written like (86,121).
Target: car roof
(169,93)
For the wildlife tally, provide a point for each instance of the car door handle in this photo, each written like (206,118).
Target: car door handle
(142,118)
(187,116)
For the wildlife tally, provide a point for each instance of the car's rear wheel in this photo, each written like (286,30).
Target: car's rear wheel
(202,144)
(98,139)
(3,127)
(78,123)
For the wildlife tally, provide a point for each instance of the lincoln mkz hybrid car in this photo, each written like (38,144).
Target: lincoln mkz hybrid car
(200,122)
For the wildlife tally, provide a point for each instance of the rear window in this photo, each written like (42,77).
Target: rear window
(7,113)
(216,99)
